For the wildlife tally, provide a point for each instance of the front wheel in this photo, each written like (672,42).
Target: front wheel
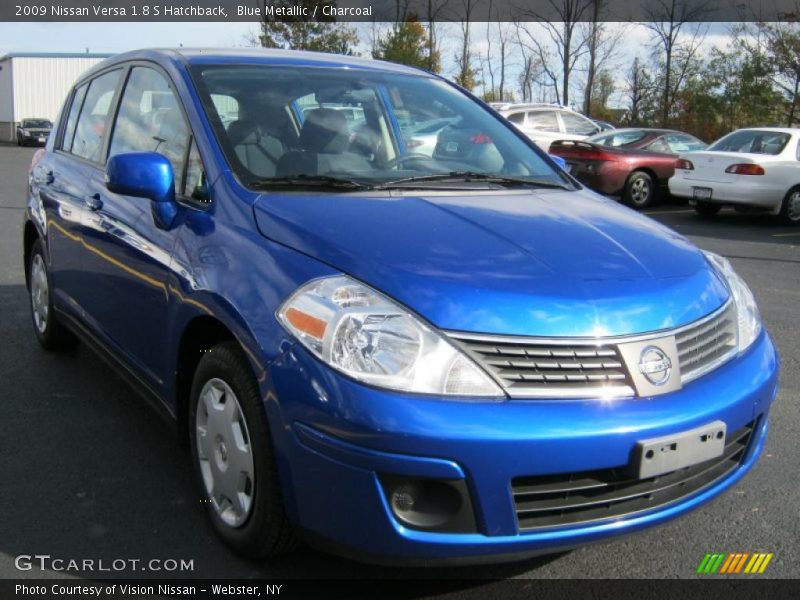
(49,331)
(640,190)
(790,209)
(233,456)
(707,209)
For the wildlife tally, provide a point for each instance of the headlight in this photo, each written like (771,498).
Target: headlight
(360,332)
(25,132)
(747,316)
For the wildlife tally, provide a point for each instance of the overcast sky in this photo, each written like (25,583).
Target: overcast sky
(118,37)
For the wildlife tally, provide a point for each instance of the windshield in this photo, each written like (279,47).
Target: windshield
(43,123)
(752,141)
(280,123)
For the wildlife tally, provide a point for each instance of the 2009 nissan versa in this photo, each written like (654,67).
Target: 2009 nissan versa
(454,353)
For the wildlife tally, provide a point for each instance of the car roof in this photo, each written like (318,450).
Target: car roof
(652,130)
(262,56)
(535,106)
(789,130)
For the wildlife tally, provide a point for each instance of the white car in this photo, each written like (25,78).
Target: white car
(546,123)
(755,169)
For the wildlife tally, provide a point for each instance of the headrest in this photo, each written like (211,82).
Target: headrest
(243,132)
(324,131)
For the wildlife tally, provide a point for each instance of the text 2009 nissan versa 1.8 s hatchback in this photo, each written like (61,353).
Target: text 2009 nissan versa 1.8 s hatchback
(456,355)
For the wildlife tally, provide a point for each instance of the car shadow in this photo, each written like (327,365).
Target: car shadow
(90,471)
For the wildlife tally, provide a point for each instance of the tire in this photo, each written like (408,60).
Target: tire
(707,209)
(640,191)
(254,525)
(52,335)
(790,207)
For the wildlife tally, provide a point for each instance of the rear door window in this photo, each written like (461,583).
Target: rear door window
(659,145)
(543,120)
(680,142)
(94,117)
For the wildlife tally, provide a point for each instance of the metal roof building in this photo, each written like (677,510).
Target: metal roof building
(34,85)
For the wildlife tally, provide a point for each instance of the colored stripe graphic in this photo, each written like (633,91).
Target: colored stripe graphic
(729,563)
(722,563)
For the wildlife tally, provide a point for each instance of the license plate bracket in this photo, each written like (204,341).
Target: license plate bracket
(657,456)
(702,193)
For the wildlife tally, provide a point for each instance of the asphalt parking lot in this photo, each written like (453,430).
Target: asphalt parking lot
(89,471)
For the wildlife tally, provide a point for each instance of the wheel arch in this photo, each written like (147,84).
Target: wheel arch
(647,170)
(199,335)
(29,237)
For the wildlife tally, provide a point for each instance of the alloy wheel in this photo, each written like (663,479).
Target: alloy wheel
(793,207)
(639,191)
(40,293)
(225,453)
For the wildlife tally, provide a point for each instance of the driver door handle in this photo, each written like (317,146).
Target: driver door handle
(93,202)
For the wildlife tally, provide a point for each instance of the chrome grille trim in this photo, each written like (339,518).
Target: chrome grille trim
(705,346)
(581,367)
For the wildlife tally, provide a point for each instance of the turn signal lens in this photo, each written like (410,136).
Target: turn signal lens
(365,335)
(745,169)
(684,164)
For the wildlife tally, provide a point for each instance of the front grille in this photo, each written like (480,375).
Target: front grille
(557,500)
(703,347)
(582,367)
(531,368)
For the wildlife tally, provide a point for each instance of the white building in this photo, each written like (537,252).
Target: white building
(35,84)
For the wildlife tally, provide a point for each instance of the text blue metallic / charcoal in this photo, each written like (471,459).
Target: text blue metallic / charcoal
(534,261)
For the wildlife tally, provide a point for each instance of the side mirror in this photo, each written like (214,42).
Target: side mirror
(145,175)
(559,161)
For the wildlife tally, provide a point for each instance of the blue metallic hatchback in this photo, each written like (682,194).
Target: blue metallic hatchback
(384,321)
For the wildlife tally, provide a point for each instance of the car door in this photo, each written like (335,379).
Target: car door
(542,127)
(131,263)
(62,178)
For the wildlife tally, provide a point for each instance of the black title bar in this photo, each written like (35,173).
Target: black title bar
(397,10)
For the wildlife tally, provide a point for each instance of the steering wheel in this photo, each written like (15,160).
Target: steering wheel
(398,160)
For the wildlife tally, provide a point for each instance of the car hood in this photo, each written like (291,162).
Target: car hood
(544,263)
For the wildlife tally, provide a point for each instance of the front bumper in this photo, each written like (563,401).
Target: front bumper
(34,139)
(336,439)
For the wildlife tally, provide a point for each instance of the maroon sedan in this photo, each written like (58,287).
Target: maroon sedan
(633,163)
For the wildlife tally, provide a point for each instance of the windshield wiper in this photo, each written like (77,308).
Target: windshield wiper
(305,180)
(468,176)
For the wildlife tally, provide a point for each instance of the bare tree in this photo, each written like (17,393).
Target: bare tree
(602,44)
(563,34)
(547,75)
(495,31)
(436,9)
(466,74)
(639,91)
(667,20)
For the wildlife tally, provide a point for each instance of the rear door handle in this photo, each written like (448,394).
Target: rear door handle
(94,202)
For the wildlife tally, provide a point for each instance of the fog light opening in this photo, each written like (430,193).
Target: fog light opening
(430,504)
